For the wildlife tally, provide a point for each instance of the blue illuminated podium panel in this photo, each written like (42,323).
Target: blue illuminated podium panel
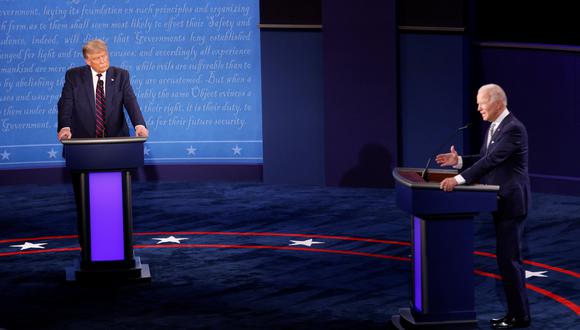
(442,248)
(100,169)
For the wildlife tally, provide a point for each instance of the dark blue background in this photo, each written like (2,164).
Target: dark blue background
(345,102)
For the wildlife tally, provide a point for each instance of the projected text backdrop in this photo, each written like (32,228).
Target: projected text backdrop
(194,65)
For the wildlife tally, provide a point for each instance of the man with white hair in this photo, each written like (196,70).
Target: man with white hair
(503,161)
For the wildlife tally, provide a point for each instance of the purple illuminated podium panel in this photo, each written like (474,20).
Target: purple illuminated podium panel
(443,294)
(101,175)
(106,214)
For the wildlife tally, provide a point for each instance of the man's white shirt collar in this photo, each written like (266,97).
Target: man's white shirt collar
(95,73)
(501,117)
(96,79)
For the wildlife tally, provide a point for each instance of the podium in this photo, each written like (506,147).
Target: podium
(442,288)
(100,169)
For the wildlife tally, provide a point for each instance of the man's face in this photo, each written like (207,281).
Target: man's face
(489,110)
(99,61)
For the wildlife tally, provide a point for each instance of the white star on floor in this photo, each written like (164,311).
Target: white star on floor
(170,239)
(191,150)
(51,153)
(307,242)
(536,274)
(237,150)
(5,155)
(28,245)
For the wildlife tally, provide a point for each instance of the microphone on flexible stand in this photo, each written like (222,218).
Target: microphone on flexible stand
(425,172)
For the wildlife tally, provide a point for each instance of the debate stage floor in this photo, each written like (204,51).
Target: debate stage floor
(254,256)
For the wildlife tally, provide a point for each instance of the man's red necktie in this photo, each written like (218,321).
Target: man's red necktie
(100,108)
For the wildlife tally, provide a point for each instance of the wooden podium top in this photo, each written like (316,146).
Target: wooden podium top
(122,139)
(411,177)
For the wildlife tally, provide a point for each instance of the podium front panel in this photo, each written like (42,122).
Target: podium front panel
(417,265)
(443,268)
(106,216)
(434,202)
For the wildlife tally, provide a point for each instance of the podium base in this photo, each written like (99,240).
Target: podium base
(405,321)
(139,273)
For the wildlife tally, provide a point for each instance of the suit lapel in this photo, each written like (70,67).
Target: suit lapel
(89,88)
(110,91)
(485,145)
(499,131)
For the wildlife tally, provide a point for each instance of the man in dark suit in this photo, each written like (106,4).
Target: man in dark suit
(92,105)
(503,161)
(77,114)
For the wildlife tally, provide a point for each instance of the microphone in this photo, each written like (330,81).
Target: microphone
(425,172)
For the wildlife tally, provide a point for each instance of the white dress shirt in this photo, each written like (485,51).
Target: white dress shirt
(96,79)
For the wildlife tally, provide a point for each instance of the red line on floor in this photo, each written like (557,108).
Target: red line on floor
(3,254)
(269,247)
(13,240)
(534,263)
(346,238)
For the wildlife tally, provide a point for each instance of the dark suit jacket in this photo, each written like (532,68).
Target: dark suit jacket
(76,107)
(505,163)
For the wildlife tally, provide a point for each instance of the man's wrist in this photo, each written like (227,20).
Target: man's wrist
(459,178)
(459,164)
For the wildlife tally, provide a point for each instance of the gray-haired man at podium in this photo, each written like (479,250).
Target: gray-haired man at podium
(503,161)
(94,96)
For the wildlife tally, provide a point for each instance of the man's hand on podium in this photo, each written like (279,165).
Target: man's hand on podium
(449,159)
(448,184)
(64,134)
(141,131)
